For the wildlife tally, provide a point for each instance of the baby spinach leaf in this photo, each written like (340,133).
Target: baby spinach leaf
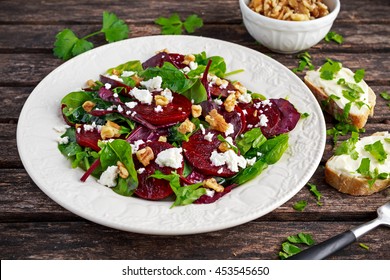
(133,65)
(253,138)
(273,148)
(250,172)
(197,92)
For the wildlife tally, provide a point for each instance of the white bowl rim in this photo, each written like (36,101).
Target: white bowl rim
(284,23)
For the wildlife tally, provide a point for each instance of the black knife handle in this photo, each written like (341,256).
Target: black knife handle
(326,248)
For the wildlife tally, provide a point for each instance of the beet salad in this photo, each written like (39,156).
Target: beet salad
(173,126)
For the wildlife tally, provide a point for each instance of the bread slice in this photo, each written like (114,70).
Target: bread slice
(350,182)
(358,117)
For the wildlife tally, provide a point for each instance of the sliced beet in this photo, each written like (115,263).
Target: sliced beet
(290,115)
(152,188)
(205,199)
(194,177)
(235,118)
(88,138)
(252,112)
(116,84)
(145,134)
(159,59)
(217,91)
(176,111)
(198,151)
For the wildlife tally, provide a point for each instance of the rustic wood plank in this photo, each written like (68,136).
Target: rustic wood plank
(228,11)
(22,200)
(83,240)
(40,38)
(32,68)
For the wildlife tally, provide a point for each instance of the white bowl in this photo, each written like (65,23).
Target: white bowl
(288,36)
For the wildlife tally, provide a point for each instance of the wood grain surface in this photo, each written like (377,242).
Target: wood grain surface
(32,226)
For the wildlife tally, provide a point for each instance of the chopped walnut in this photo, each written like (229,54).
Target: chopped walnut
(145,155)
(217,121)
(162,139)
(163,50)
(123,173)
(91,83)
(196,111)
(238,86)
(116,72)
(188,59)
(230,102)
(88,106)
(110,130)
(212,184)
(161,100)
(186,126)
(223,147)
(295,10)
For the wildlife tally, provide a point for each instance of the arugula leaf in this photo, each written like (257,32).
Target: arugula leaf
(110,154)
(184,194)
(174,26)
(273,148)
(359,75)
(304,61)
(377,151)
(300,205)
(114,28)
(333,36)
(68,45)
(133,65)
(330,69)
(253,138)
(172,77)
(348,147)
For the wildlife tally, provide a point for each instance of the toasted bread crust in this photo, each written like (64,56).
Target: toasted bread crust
(332,108)
(357,186)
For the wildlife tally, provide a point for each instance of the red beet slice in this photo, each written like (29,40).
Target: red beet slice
(217,91)
(116,84)
(88,138)
(205,199)
(159,59)
(176,111)
(289,115)
(152,188)
(198,151)
(145,134)
(257,108)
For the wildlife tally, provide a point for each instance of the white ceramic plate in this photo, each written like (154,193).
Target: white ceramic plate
(52,173)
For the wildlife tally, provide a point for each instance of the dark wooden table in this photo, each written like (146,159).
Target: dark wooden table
(32,226)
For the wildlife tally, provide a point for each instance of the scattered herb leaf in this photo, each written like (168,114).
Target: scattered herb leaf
(333,36)
(359,75)
(330,69)
(364,246)
(348,147)
(304,61)
(385,95)
(304,115)
(377,151)
(315,192)
(300,205)
(174,26)
(288,247)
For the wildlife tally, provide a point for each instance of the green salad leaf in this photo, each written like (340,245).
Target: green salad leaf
(253,138)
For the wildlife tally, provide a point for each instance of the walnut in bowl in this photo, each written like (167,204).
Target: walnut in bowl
(289,26)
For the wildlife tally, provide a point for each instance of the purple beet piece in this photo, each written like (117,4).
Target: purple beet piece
(152,188)
(194,177)
(88,138)
(289,115)
(205,199)
(176,111)
(145,134)
(108,95)
(217,91)
(116,84)
(159,59)
(198,151)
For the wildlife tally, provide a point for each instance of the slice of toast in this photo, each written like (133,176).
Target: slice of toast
(357,118)
(341,173)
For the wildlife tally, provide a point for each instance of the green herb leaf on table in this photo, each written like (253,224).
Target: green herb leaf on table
(289,248)
(315,192)
(114,28)
(304,62)
(364,246)
(333,36)
(385,95)
(300,205)
(301,238)
(174,26)
(68,45)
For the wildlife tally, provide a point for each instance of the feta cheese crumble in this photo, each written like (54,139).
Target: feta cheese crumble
(171,157)
(142,95)
(131,104)
(63,140)
(245,98)
(230,158)
(209,137)
(230,129)
(168,94)
(107,85)
(158,109)
(263,120)
(127,74)
(135,146)
(109,176)
(153,83)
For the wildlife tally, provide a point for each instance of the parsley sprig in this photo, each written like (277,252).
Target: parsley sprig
(68,45)
(174,26)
